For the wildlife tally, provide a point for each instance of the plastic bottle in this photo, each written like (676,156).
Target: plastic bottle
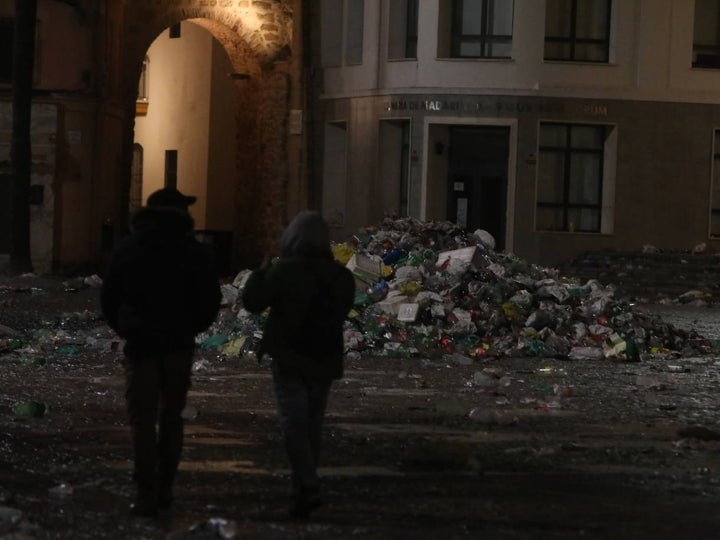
(29,409)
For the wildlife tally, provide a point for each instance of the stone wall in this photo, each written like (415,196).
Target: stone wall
(258,37)
(44,128)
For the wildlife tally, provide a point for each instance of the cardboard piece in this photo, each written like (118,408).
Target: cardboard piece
(366,269)
(408,312)
(391,304)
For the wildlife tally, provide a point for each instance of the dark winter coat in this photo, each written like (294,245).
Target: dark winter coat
(160,288)
(309,295)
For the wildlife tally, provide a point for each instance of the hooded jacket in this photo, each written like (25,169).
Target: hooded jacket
(309,295)
(160,288)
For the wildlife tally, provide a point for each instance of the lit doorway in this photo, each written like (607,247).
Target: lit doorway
(187,110)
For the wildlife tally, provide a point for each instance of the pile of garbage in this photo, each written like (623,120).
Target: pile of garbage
(430,289)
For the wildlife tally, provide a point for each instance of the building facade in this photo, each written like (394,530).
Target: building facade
(122,106)
(559,126)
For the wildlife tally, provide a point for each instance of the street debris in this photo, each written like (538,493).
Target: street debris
(29,409)
(434,301)
(428,289)
(424,290)
(61,491)
(216,526)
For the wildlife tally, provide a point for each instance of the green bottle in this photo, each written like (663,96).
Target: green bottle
(29,409)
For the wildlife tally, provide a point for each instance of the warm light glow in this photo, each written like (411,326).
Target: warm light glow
(250,20)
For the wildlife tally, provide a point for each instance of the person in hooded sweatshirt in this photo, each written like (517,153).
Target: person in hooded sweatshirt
(309,295)
(160,289)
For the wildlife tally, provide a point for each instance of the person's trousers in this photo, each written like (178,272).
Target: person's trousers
(301,409)
(156,391)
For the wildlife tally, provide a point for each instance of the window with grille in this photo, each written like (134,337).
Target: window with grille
(481,28)
(570,177)
(577,30)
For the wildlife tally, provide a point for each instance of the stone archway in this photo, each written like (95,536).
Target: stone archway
(256,38)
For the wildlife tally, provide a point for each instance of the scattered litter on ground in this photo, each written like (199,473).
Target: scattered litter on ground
(423,290)
(29,409)
(438,317)
(428,289)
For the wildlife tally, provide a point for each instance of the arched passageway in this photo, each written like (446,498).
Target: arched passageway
(265,185)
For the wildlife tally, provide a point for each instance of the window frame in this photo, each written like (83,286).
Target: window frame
(568,151)
(342,36)
(353,33)
(485,39)
(412,17)
(705,55)
(573,40)
(402,29)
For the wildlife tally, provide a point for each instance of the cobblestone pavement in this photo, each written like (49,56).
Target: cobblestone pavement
(415,448)
(705,320)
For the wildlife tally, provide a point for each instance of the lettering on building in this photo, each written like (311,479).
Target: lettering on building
(426,105)
(592,110)
(498,107)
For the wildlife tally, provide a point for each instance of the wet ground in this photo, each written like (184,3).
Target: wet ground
(414,448)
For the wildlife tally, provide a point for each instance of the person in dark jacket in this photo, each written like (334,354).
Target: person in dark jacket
(309,295)
(160,289)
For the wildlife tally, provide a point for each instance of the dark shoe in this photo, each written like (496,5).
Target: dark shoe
(144,509)
(164,492)
(165,502)
(305,503)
